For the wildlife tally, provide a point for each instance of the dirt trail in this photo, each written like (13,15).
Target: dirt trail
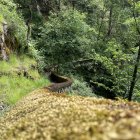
(58,83)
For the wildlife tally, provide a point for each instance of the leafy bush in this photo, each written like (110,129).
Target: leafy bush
(35,54)
(80,88)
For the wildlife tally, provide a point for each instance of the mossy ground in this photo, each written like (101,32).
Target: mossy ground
(43,115)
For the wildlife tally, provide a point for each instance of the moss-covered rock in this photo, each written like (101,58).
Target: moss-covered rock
(1,20)
(43,115)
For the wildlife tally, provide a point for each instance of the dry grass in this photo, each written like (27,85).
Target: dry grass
(46,116)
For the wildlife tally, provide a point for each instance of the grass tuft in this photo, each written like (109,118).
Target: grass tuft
(14,87)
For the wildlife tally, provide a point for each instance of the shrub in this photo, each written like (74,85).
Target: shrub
(80,88)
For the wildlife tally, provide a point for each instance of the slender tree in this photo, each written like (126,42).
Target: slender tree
(134,77)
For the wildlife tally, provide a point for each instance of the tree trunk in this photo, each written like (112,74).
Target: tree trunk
(109,30)
(3,52)
(2,41)
(110,21)
(101,24)
(133,82)
(59,5)
(28,23)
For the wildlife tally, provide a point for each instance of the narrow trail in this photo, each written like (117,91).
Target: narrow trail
(58,83)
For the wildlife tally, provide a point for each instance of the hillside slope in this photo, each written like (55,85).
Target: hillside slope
(18,77)
(43,115)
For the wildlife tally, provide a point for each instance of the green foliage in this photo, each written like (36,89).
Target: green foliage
(16,24)
(80,88)
(32,51)
(1,20)
(35,54)
(16,62)
(69,36)
(15,86)
(66,34)
(105,31)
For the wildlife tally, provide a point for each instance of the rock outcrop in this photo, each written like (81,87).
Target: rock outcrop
(3,33)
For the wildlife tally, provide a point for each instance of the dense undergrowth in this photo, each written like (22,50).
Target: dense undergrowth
(103,32)
(95,40)
(44,115)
